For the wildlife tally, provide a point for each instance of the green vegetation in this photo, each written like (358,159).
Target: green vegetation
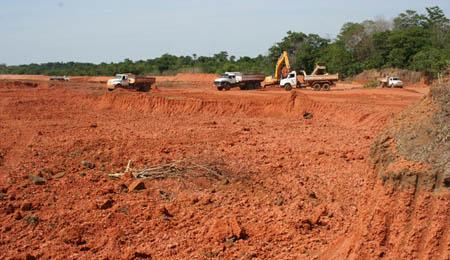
(411,40)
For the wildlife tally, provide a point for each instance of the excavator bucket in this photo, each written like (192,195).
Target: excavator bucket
(269,80)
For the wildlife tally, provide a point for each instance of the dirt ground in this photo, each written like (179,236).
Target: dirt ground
(281,175)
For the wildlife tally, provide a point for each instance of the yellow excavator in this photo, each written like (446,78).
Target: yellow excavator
(280,70)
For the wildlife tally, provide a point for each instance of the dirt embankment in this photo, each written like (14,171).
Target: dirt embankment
(407,76)
(410,217)
(179,79)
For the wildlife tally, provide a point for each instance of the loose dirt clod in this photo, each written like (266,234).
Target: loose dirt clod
(37,180)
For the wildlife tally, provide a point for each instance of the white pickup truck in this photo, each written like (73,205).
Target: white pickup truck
(391,82)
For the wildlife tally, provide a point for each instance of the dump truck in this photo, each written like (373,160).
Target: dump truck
(236,79)
(130,81)
(59,78)
(390,82)
(318,80)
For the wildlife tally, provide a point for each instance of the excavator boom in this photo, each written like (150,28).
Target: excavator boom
(280,70)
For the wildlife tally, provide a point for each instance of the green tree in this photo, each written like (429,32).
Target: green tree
(439,26)
(303,50)
(431,61)
(339,59)
(409,19)
(405,44)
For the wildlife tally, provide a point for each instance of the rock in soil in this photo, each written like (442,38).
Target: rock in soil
(141,255)
(308,115)
(27,206)
(136,185)
(30,257)
(164,212)
(32,220)
(227,229)
(88,165)
(107,204)
(37,180)
(59,175)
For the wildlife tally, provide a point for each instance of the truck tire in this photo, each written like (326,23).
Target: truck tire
(227,86)
(145,88)
(219,88)
(287,87)
(316,87)
(326,87)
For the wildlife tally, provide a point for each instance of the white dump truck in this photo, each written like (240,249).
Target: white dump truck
(390,82)
(236,79)
(129,81)
(318,80)
(59,78)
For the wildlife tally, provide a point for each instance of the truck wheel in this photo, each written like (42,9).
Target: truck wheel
(144,89)
(287,87)
(326,87)
(219,88)
(316,87)
(227,86)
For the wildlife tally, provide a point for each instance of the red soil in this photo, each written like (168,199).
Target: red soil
(293,188)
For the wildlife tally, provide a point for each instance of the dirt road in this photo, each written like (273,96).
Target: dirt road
(291,169)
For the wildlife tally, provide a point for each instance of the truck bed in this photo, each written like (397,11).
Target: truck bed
(254,77)
(144,80)
(331,77)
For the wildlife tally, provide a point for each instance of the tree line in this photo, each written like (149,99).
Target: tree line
(412,40)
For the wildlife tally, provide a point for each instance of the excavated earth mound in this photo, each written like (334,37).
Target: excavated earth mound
(408,213)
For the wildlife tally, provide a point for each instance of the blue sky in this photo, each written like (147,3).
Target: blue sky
(111,30)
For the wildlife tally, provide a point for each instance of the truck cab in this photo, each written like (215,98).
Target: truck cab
(290,81)
(227,80)
(391,82)
(120,80)
(395,82)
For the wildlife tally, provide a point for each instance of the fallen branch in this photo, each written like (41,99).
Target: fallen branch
(169,170)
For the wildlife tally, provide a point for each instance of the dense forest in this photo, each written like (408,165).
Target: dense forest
(411,40)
